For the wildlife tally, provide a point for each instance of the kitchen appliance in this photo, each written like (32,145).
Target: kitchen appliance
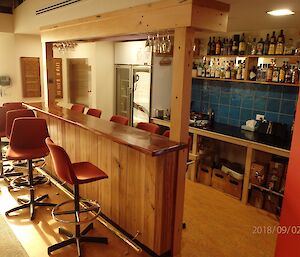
(133,91)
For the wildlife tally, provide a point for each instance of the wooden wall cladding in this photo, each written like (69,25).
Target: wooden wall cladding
(58,78)
(30,72)
(139,193)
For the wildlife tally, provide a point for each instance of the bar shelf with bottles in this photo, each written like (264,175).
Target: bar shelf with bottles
(266,62)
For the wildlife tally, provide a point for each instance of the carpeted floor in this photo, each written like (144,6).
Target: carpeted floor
(9,244)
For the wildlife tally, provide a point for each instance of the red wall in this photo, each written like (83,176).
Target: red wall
(289,245)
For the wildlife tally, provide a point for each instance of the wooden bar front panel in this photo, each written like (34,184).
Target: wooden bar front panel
(139,193)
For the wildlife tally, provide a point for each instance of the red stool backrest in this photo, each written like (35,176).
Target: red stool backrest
(28,136)
(94,112)
(119,119)
(150,127)
(62,162)
(14,105)
(2,121)
(78,108)
(12,115)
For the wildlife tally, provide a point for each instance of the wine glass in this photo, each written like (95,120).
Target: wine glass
(168,44)
(156,44)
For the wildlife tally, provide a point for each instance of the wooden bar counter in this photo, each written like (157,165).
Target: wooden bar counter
(142,168)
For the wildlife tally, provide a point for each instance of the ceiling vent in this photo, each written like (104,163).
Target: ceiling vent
(56,6)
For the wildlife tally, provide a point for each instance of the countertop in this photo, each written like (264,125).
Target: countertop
(137,139)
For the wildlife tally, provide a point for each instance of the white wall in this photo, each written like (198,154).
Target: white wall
(12,47)
(161,85)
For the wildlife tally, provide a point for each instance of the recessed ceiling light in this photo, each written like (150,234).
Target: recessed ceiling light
(281,12)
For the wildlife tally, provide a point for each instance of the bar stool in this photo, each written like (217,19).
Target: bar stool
(75,174)
(150,127)
(27,142)
(14,105)
(119,119)
(78,108)
(94,112)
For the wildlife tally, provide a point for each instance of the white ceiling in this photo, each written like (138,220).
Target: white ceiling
(245,15)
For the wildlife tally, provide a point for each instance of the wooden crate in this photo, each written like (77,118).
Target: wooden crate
(256,198)
(218,179)
(233,186)
(204,174)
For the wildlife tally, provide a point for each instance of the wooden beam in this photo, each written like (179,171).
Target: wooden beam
(180,108)
(50,73)
(200,14)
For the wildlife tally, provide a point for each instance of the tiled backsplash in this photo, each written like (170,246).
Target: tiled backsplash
(234,103)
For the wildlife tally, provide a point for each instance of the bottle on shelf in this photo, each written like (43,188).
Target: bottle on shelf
(212,68)
(263,74)
(218,47)
(280,43)
(239,70)
(230,45)
(242,45)
(270,69)
(235,44)
(288,74)
(282,73)
(223,45)
(209,46)
(260,47)
(272,44)
(253,47)
(295,74)
(226,46)
(217,70)
(233,70)
(289,48)
(244,75)
(252,74)
(213,47)
(266,45)
(207,71)
(227,71)
(276,72)
(258,72)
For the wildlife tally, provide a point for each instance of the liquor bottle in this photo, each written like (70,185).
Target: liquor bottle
(272,44)
(288,74)
(218,47)
(226,46)
(235,44)
(270,72)
(295,75)
(263,75)
(233,70)
(242,45)
(243,71)
(239,71)
(217,71)
(252,74)
(230,47)
(223,45)
(282,73)
(288,47)
(275,76)
(213,47)
(258,72)
(212,69)
(260,47)
(209,47)
(222,70)
(280,43)
(228,71)
(266,45)
(204,67)
(253,47)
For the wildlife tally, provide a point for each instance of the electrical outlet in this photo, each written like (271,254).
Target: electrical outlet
(260,117)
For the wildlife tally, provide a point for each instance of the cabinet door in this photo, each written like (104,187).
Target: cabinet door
(31,81)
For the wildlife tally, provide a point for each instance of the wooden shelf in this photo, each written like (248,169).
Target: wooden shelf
(266,189)
(254,56)
(250,81)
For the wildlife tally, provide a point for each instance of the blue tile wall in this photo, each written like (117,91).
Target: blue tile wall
(235,103)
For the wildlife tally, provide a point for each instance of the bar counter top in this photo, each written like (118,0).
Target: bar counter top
(137,139)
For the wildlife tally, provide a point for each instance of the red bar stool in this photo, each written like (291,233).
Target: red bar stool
(75,174)
(27,142)
(119,119)
(150,127)
(14,105)
(78,108)
(94,112)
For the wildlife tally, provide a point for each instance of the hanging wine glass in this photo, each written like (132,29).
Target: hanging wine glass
(156,44)
(148,44)
(163,44)
(168,44)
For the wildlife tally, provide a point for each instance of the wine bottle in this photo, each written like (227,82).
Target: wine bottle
(260,47)
(280,43)
(266,45)
(209,47)
(242,45)
(272,44)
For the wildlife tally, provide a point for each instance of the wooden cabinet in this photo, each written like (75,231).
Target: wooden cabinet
(31,81)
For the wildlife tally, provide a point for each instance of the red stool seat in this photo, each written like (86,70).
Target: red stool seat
(94,112)
(78,108)
(150,127)
(86,172)
(119,119)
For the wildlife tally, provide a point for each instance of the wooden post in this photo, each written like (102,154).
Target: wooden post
(248,163)
(50,73)
(180,115)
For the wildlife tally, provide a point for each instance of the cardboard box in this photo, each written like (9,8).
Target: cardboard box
(272,203)
(204,174)
(218,180)
(275,174)
(258,173)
